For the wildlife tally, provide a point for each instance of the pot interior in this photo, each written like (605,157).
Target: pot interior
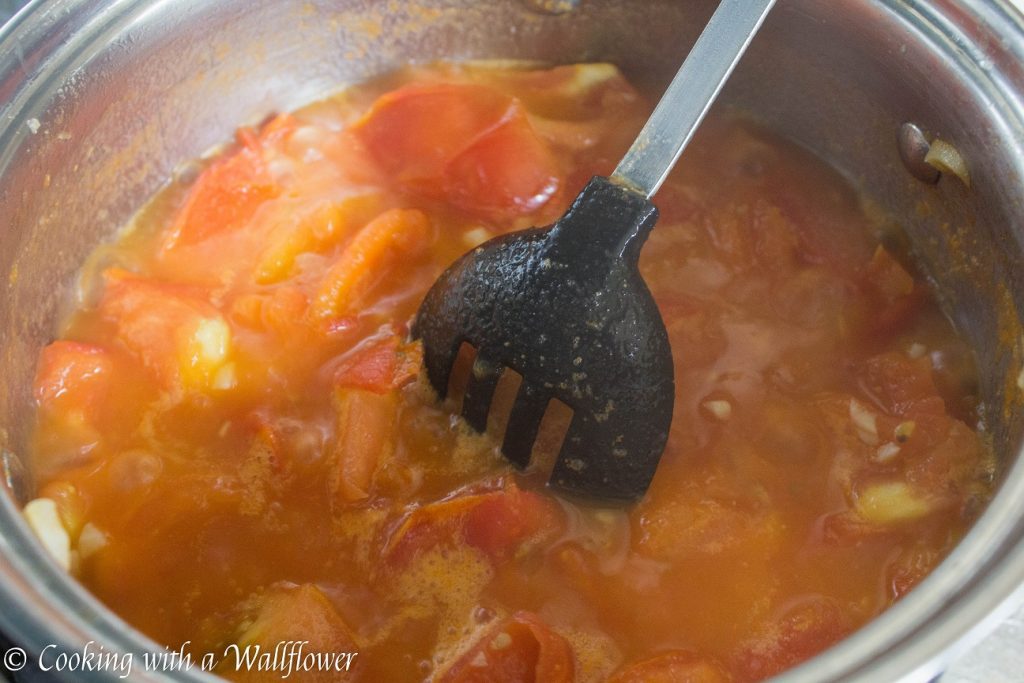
(103,103)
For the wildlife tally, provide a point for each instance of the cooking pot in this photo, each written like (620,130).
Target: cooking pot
(101,103)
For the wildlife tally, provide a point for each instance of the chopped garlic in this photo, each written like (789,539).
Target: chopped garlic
(225,377)
(41,515)
(865,422)
(904,430)
(210,341)
(205,354)
(719,408)
(281,168)
(90,540)
(891,502)
(947,159)
(475,237)
(887,452)
(307,136)
(501,641)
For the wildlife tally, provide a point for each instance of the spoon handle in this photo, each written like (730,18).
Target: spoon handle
(691,93)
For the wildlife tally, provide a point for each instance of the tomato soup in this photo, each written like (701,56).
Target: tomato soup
(235,447)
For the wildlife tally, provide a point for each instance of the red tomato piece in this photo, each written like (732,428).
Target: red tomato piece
(415,131)
(495,522)
(673,667)
(899,384)
(228,192)
(519,649)
(798,634)
(886,279)
(469,144)
(505,173)
(159,323)
(72,373)
(912,565)
(379,247)
(289,614)
(365,437)
(384,364)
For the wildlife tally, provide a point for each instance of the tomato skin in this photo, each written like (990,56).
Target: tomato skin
(495,522)
(799,633)
(291,614)
(365,438)
(70,373)
(224,198)
(468,144)
(376,250)
(384,364)
(900,385)
(415,131)
(507,172)
(158,322)
(521,648)
(229,192)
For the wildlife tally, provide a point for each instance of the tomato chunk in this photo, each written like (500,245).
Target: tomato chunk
(797,634)
(899,384)
(415,131)
(505,173)
(173,330)
(313,230)
(225,196)
(383,364)
(496,522)
(71,374)
(366,426)
(375,251)
(521,648)
(469,144)
(292,614)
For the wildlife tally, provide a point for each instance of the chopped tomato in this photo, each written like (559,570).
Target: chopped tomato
(885,278)
(281,310)
(224,197)
(912,565)
(519,649)
(395,235)
(503,174)
(690,523)
(797,634)
(469,144)
(673,667)
(496,522)
(385,363)
(72,375)
(899,384)
(315,230)
(176,333)
(289,614)
(415,131)
(366,426)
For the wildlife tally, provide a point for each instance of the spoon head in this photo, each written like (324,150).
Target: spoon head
(566,308)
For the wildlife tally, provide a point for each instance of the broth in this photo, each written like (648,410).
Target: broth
(234,444)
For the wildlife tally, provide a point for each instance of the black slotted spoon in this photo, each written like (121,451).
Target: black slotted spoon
(565,306)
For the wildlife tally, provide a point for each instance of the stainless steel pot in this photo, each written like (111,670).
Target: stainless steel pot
(100,101)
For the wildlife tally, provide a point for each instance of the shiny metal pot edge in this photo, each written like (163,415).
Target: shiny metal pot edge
(44,46)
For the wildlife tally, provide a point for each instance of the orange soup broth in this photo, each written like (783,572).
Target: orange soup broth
(791,504)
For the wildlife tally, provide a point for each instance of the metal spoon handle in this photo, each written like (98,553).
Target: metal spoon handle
(691,93)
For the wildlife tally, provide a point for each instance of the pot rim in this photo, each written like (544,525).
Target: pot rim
(973,589)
